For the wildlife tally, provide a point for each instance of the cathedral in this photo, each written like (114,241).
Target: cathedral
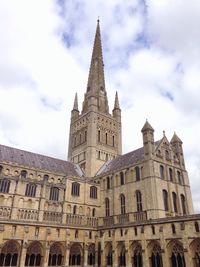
(100,207)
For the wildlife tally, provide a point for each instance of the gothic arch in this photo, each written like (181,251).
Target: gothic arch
(195,252)
(121,252)
(176,253)
(34,254)
(76,255)
(91,254)
(136,254)
(155,254)
(9,255)
(56,254)
(109,254)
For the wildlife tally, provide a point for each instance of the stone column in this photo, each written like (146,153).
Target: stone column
(46,254)
(128,254)
(66,257)
(22,254)
(85,255)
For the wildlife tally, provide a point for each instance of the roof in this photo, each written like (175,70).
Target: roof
(122,161)
(125,160)
(45,163)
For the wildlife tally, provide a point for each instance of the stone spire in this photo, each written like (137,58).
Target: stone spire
(116,106)
(96,96)
(147,126)
(175,139)
(75,102)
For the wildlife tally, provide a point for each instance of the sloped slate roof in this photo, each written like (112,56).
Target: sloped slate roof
(29,159)
(125,160)
(122,161)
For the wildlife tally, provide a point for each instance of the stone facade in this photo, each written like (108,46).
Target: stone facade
(100,208)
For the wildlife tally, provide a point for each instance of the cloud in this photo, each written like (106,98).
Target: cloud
(151,54)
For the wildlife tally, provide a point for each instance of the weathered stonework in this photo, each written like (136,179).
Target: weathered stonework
(100,208)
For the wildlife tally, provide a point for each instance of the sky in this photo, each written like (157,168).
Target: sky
(151,53)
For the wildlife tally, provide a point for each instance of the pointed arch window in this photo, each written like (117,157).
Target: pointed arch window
(123,204)
(107,206)
(93,212)
(106,138)
(137,173)
(196,225)
(177,257)
(174,199)
(74,209)
(183,204)
(54,194)
(138,200)
(4,186)
(85,135)
(165,200)
(156,256)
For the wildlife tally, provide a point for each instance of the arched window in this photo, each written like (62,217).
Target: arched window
(55,255)
(137,256)
(162,174)
(121,178)
(30,190)
(183,204)
(156,256)
(93,192)
(54,194)
(4,186)
(108,182)
(80,138)
(167,154)
(171,174)
(123,204)
(196,225)
(179,177)
(113,140)
(177,257)
(165,200)
(75,189)
(85,135)
(106,138)
(33,254)
(93,212)
(9,254)
(138,200)
(137,173)
(174,198)
(75,255)
(153,229)
(23,174)
(107,206)
(75,140)
(91,255)
(74,209)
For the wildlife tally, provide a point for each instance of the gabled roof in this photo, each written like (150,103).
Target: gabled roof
(122,161)
(45,163)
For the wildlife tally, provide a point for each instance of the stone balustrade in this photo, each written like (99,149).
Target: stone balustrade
(27,214)
(5,212)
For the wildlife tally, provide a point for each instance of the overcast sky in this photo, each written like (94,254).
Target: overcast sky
(152,58)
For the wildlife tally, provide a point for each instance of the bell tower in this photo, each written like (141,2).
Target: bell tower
(95,134)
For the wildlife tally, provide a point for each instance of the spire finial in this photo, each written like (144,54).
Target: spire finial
(163,133)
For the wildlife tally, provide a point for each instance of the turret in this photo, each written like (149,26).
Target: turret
(116,111)
(177,143)
(148,140)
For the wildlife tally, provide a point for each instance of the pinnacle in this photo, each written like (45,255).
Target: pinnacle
(147,126)
(175,138)
(75,102)
(116,106)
